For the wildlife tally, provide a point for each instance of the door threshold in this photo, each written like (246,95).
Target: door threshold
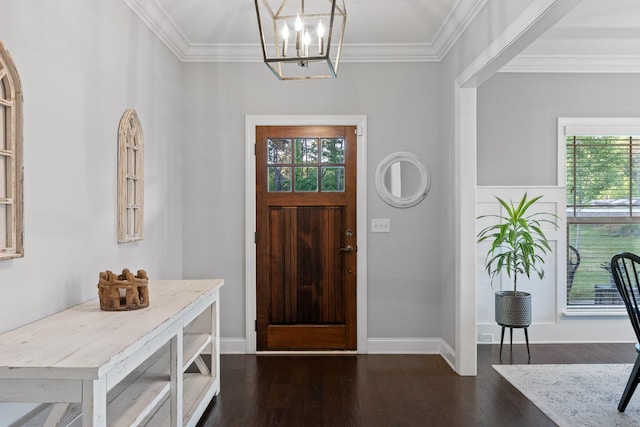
(307,352)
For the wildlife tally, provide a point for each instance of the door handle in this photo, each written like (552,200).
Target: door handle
(348,249)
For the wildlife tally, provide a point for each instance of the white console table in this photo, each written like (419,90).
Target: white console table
(154,366)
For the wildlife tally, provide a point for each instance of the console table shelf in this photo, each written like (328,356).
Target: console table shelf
(153,366)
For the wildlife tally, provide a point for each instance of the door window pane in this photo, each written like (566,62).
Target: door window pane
(306,150)
(279,178)
(278,151)
(306,179)
(304,158)
(332,178)
(333,150)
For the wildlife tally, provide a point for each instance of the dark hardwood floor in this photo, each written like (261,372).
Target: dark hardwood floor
(386,390)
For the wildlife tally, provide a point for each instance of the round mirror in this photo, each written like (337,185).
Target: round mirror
(402,179)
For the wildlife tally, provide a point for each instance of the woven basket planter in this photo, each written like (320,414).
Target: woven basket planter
(513,309)
(123,292)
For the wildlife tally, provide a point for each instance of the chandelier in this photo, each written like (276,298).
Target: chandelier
(298,37)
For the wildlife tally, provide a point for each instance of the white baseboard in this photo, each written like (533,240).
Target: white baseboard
(591,330)
(237,345)
(233,345)
(404,345)
(448,354)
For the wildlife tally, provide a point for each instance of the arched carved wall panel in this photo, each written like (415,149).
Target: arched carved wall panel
(11,169)
(130,178)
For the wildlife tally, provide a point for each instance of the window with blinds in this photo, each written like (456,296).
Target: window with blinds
(603,214)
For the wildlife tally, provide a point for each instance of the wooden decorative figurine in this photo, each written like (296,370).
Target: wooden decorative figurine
(124,292)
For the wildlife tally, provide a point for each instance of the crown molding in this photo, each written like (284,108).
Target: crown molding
(161,24)
(407,52)
(460,17)
(573,64)
(463,13)
(389,52)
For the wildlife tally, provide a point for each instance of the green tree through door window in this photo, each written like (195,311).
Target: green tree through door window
(306,164)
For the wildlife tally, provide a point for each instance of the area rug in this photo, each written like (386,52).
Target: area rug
(576,395)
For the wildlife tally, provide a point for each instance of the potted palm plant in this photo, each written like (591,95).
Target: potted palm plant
(517,246)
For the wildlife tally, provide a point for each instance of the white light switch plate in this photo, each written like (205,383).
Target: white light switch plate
(380,225)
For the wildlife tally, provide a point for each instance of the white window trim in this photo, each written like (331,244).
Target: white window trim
(587,126)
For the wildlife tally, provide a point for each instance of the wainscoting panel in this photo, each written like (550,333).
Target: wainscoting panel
(550,322)
(546,293)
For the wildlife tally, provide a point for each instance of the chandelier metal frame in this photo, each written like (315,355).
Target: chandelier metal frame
(292,61)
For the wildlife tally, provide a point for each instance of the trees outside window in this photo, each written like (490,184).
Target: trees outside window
(603,212)
(317,164)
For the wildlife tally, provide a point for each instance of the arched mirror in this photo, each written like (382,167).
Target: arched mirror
(402,179)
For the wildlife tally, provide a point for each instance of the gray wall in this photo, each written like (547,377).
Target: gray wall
(517,119)
(82,63)
(401,102)
(490,23)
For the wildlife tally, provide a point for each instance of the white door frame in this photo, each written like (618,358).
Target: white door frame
(250,214)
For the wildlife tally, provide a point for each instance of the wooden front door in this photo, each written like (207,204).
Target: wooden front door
(306,238)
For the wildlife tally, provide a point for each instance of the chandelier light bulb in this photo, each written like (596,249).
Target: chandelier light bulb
(285,39)
(320,38)
(298,27)
(298,22)
(307,42)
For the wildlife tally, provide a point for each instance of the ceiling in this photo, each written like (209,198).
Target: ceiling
(595,36)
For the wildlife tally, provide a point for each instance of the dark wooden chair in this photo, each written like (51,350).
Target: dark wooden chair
(573,262)
(625,268)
